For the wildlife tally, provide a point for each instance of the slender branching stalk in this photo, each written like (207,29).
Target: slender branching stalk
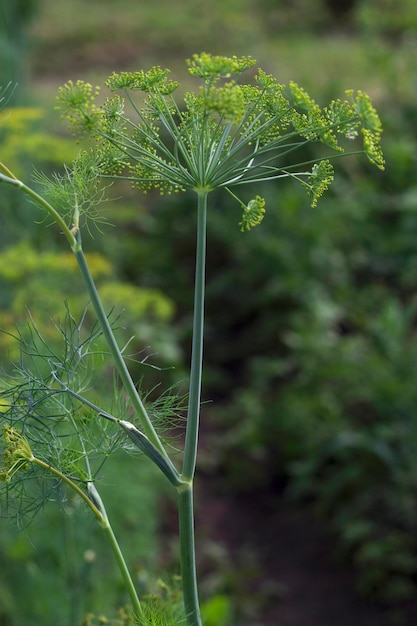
(114,349)
(225,135)
(18,455)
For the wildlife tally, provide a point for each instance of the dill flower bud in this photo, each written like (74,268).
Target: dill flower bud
(16,455)
(253,214)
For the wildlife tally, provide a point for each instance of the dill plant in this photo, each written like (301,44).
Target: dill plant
(226,134)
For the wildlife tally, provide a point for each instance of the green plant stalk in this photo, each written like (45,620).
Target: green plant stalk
(74,239)
(185,492)
(115,350)
(137,608)
(193,416)
(105,524)
(73,485)
(10,179)
(187,554)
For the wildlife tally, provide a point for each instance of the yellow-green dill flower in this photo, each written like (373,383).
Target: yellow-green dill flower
(253,214)
(153,81)
(320,180)
(302,99)
(342,115)
(16,455)
(208,66)
(371,128)
(223,135)
(76,103)
(372,148)
(227,101)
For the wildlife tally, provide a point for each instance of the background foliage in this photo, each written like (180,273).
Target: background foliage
(311,338)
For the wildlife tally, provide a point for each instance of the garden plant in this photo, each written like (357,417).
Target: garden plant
(226,134)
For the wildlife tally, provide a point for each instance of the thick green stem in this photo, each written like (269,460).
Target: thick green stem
(187,555)
(191,440)
(185,492)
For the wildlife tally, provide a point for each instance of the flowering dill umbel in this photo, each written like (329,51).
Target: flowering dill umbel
(224,134)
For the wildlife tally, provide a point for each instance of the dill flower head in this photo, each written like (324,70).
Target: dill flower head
(225,134)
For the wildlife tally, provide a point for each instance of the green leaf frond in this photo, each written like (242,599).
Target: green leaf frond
(161,606)
(168,413)
(49,398)
(223,134)
(36,397)
(78,191)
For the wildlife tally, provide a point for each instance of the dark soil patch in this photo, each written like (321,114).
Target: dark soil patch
(277,562)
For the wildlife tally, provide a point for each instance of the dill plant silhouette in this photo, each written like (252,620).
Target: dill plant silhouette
(226,134)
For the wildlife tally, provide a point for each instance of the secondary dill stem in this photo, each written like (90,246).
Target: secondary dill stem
(75,242)
(71,484)
(105,524)
(185,492)
(124,569)
(10,179)
(115,351)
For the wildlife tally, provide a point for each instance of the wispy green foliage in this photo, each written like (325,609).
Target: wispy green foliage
(77,191)
(48,397)
(161,607)
(59,428)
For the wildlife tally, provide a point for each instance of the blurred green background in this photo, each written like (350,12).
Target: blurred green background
(311,341)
